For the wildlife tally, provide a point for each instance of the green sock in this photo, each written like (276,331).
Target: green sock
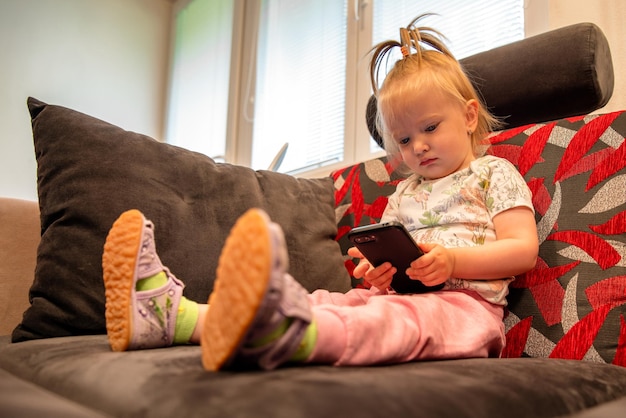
(152,282)
(306,345)
(187,315)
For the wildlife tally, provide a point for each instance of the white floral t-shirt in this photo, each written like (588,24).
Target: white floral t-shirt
(458,211)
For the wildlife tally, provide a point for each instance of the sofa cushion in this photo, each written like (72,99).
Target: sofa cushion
(361,193)
(573,303)
(24,399)
(90,171)
(170,382)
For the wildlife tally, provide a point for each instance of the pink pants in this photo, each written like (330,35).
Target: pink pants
(365,327)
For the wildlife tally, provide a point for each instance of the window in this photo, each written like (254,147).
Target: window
(300,83)
(199,87)
(250,77)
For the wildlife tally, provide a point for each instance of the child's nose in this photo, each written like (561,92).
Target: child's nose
(420,147)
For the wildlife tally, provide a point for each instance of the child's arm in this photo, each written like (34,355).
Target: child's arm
(514,252)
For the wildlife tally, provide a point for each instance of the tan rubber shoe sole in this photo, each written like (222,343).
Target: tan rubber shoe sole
(242,278)
(118,268)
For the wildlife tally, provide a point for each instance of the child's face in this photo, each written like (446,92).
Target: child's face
(431,131)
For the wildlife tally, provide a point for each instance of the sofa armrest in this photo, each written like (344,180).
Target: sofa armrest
(19,237)
(557,74)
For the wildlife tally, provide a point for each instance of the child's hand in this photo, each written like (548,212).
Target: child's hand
(379,277)
(434,267)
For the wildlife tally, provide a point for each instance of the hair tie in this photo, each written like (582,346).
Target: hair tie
(405,42)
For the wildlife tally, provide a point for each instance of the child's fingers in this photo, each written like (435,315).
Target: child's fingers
(361,269)
(381,276)
(426,246)
(354,252)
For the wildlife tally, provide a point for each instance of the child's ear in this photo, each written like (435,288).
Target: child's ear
(471,114)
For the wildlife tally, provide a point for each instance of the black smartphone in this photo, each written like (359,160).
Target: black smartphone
(390,241)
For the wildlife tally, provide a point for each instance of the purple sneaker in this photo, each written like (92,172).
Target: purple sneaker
(253,297)
(137,319)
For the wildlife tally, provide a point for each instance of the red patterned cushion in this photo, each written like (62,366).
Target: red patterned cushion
(360,198)
(573,303)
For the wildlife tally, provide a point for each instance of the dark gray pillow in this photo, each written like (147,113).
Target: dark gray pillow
(90,171)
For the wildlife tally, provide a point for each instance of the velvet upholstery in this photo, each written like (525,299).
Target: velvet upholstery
(24,399)
(520,82)
(171,382)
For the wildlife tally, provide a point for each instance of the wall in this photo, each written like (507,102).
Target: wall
(106,58)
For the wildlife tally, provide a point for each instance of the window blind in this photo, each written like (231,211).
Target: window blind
(470,26)
(300,83)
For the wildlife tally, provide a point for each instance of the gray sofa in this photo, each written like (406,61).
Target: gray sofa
(566,325)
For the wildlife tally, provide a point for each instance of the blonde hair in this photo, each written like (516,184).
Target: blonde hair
(426,62)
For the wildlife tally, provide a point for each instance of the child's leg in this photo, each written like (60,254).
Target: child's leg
(354,297)
(258,315)
(402,328)
(196,335)
(144,303)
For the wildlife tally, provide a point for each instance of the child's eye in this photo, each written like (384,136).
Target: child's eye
(431,128)
(404,141)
